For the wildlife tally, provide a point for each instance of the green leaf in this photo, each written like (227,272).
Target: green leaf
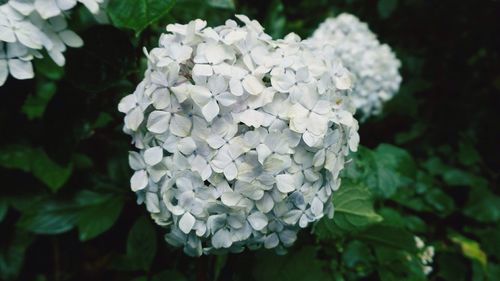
(141,243)
(137,14)
(97,219)
(383,170)
(12,253)
(48,68)
(386,8)
(57,215)
(353,207)
(302,265)
(50,217)
(470,248)
(224,4)
(35,105)
(275,20)
(35,160)
(50,172)
(483,205)
(451,267)
(358,255)
(16,157)
(389,236)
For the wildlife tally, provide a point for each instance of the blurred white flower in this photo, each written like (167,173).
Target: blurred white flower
(29,26)
(241,138)
(374,66)
(425,254)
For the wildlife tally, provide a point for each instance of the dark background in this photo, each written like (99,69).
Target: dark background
(67,213)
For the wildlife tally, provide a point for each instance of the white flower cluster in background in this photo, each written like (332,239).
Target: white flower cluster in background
(374,65)
(240,138)
(426,255)
(29,26)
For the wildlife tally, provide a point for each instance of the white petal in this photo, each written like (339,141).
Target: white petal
(235,86)
(258,220)
(127,103)
(135,161)
(186,222)
(134,118)
(161,98)
(231,198)
(221,239)
(4,71)
(47,8)
(265,204)
(285,183)
(230,171)
(252,118)
(200,95)
(152,202)
(139,180)
(158,121)
(202,70)
(153,155)
(186,145)
(180,125)
(210,110)
(271,241)
(71,39)
(253,85)
(7,34)
(317,207)
(21,69)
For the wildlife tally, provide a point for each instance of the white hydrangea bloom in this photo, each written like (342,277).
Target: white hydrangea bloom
(374,66)
(240,138)
(29,26)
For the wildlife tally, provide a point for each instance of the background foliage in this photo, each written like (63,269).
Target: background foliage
(429,166)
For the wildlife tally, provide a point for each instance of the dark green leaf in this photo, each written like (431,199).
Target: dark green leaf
(48,171)
(50,217)
(16,157)
(137,14)
(386,7)
(38,162)
(98,218)
(483,205)
(12,253)
(353,211)
(276,20)
(389,236)
(141,243)
(224,4)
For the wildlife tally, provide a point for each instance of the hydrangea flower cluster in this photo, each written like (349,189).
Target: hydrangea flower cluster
(29,26)
(374,65)
(240,138)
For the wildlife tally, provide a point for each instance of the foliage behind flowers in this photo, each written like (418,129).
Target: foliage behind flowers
(425,178)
